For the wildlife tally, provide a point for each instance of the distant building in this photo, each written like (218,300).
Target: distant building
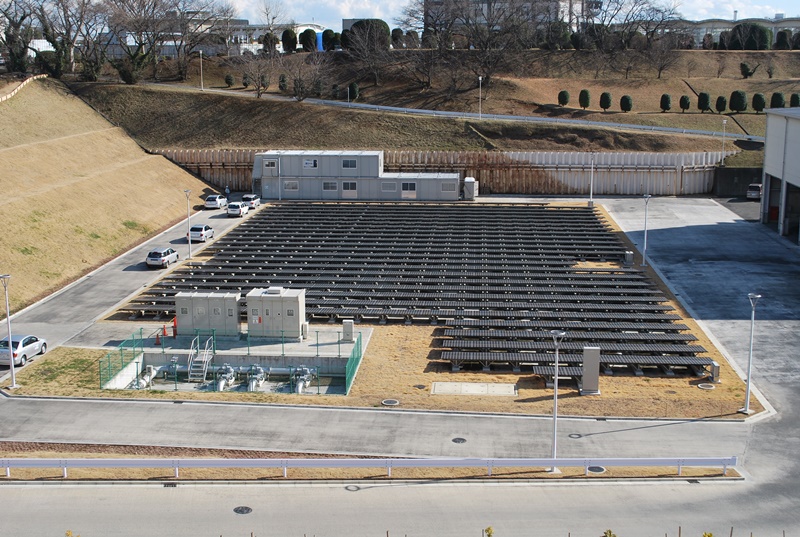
(780,194)
(714,27)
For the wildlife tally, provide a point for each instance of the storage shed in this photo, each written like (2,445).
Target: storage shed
(276,312)
(345,175)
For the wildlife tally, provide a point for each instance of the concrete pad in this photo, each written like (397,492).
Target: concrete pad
(473,388)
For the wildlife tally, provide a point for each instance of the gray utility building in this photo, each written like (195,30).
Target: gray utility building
(345,175)
(780,198)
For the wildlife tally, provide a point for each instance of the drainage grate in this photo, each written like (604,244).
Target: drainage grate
(170,485)
(242,510)
(596,469)
(177,402)
(693,481)
(390,402)
(459,440)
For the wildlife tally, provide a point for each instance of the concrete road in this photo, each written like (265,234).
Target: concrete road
(711,257)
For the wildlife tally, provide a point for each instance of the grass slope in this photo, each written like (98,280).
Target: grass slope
(78,190)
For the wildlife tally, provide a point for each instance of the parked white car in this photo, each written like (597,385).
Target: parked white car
(237,209)
(200,233)
(161,257)
(253,201)
(24,348)
(216,201)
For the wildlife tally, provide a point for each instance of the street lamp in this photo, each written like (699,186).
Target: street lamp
(644,250)
(480,97)
(591,182)
(5,278)
(558,335)
(724,122)
(201,71)
(753,299)
(188,222)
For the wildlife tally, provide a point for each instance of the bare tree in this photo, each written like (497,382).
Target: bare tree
(94,41)
(223,26)
(139,28)
(259,70)
(309,73)
(17,32)
(436,24)
(367,45)
(190,25)
(661,53)
(274,15)
(60,22)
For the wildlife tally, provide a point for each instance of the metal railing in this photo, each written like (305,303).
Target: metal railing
(388,464)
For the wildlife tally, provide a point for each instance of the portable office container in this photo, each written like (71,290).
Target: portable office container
(345,175)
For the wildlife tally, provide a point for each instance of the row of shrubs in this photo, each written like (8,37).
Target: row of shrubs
(351,91)
(738,101)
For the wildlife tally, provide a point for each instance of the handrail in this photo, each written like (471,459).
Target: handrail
(488,463)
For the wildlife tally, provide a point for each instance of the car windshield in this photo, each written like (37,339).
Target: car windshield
(3,344)
(197,228)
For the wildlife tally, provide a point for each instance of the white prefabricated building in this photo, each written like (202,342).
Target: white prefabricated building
(345,175)
(207,311)
(780,194)
(276,312)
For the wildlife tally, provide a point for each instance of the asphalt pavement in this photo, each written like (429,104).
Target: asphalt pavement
(710,256)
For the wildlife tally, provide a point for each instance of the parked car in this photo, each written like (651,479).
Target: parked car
(24,348)
(216,201)
(754,191)
(201,232)
(253,201)
(237,209)
(161,257)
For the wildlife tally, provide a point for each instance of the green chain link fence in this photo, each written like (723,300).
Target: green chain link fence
(352,364)
(115,361)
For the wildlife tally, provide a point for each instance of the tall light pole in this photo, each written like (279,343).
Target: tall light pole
(201,71)
(5,278)
(188,221)
(724,123)
(558,335)
(591,182)
(480,97)
(753,299)
(644,250)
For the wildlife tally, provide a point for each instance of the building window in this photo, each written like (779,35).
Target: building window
(409,187)
(310,163)
(349,185)
(270,164)
(290,313)
(448,187)
(329,185)
(388,187)
(349,163)
(291,185)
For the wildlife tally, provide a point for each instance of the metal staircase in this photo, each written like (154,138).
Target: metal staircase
(198,362)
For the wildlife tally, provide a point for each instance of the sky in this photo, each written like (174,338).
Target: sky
(329,13)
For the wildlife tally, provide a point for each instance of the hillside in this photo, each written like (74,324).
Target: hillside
(168,115)
(78,190)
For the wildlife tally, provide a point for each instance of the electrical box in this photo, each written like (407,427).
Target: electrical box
(276,312)
(590,384)
(470,188)
(347,331)
(207,311)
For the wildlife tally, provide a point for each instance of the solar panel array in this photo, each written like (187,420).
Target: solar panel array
(499,275)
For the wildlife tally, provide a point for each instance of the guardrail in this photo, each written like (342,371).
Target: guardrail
(285,464)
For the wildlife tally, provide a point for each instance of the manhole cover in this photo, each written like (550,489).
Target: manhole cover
(242,510)
(459,440)
(390,402)
(706,386)
(596,469)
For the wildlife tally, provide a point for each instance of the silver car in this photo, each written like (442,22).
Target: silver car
(161,257)
(23,347)
(253,201)
(201,233)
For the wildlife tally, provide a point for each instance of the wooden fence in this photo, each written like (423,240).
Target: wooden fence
(527,173)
